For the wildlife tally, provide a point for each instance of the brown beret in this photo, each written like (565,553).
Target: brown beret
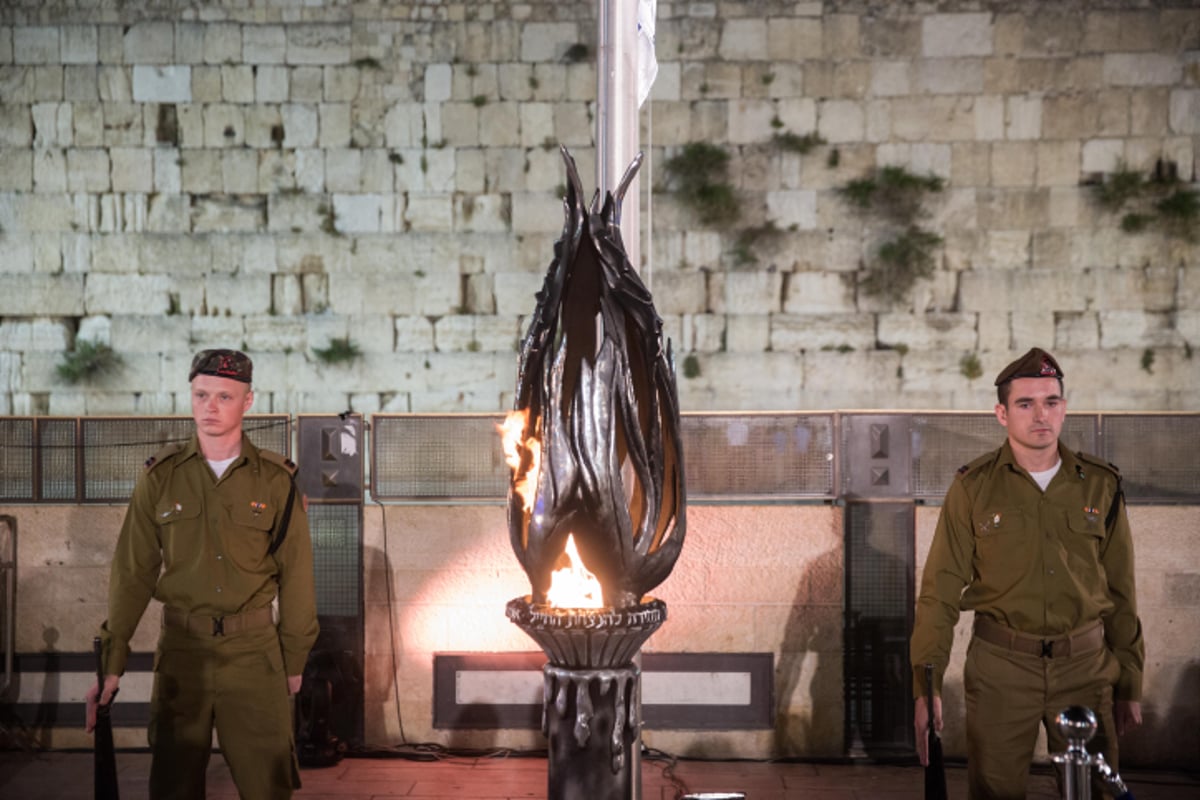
(230,364)
(1037,363)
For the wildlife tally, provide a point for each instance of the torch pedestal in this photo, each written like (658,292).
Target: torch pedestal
(590,703)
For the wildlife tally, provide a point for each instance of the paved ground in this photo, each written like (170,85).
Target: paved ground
(58,775)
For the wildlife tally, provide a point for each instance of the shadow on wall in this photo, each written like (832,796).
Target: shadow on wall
(1177,734)
(809,671)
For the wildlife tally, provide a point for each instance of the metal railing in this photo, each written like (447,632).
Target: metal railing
(734,456)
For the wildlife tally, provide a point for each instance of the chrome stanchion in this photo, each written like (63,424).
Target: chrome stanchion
(1078,726)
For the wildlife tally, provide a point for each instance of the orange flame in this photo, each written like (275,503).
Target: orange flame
(524,484)
(574,586)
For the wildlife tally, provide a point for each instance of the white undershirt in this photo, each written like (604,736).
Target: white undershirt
(219,467)
(1043,478)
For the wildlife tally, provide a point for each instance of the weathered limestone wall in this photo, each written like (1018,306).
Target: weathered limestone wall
(174,176)
(750,579)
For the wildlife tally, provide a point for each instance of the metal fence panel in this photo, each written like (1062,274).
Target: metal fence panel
(16,459)
(1157,455)
(758,455)
(941,443)
(454,456)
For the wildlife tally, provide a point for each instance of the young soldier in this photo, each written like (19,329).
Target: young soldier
(215,531)
(1034,539)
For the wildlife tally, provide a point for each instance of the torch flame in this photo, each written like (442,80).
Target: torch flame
(574,586)
(524,484)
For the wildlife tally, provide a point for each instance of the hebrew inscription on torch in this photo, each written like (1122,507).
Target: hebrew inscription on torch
(593,440)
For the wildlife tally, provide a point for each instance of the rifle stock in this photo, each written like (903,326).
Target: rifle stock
(935,772)
(106,786)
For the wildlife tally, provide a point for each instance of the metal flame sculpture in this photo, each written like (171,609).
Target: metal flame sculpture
(594,437)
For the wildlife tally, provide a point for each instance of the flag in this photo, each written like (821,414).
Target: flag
(647,68)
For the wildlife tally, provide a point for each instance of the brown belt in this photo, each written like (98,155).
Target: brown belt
(1076,643)
(205,625)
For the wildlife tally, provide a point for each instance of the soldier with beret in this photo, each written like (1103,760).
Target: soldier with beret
(215,531)
(1034,539)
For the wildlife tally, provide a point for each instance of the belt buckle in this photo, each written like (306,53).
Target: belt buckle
(1047,648)
(218,626)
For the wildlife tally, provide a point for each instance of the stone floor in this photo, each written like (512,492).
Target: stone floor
(59,775)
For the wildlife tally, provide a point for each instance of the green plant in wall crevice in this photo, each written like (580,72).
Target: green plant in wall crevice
(1158,200)
(340,350)
(698,175)
(893,199)
(88,360)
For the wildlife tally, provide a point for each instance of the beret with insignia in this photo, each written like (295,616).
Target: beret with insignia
(231,364)
(1037,363)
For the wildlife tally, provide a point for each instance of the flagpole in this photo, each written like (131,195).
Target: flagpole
(616,145)
(617,113)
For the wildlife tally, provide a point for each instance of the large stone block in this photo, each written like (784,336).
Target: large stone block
(1119,329)
(1142,69)
(41,295)
(110,294)
(1119,30)
(794,332)
(948,35)
(818,292)
(929,332)
(744,40)
(37,334)
(135,333)
(16,126)
(1184,112)
(162,84)
(948,76)
(547,41)
(318,44)
(745,292)
(945,118)
(516,291)
(149,43)
(1013,164)
(36,44)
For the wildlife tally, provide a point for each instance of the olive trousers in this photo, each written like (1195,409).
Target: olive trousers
(235,684)
(1008,694)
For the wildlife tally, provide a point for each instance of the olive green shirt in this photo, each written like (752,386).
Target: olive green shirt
(199,544)
(1040,563)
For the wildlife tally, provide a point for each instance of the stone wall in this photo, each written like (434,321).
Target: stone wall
(277,176)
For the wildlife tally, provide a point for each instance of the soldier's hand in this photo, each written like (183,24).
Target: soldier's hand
(1128,715)
(294,682)
(921,725)
(97,697)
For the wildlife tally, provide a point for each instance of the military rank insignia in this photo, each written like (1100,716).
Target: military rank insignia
(1092,513)
(257,507)
(990,524)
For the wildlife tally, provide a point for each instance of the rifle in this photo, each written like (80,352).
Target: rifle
(935,773)
(106,756)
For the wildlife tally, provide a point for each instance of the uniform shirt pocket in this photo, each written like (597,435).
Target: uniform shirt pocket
(179,529)
(992,523)
(248,535)
(1086,533)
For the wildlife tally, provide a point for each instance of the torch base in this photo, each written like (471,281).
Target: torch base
(590,718)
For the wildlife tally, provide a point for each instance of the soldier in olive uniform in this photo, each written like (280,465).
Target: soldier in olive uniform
(1034,539)
(215,532)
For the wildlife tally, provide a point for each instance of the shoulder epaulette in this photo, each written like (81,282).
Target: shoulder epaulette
(983,460)
(165,453)
(279,460)
(1096,461)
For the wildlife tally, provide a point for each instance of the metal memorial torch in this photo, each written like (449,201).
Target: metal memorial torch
(596,500)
